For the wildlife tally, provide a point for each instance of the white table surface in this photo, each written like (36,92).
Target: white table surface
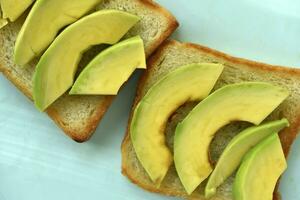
(37,161)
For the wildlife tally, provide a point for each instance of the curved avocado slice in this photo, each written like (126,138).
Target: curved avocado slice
(236,149)
(14,9)
(187,83)
(260,170)
(107,72)
(247,101)
(55,71)
(44,21)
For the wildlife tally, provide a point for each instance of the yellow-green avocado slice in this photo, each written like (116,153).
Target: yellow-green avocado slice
(44,21)
(234,152)
(260,169)
(187,83)
(12,9)
(107,72)
(55,71)
(247,101)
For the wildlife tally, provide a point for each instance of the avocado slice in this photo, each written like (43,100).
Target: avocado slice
(261,168)
(44,21)
(247,101)
(13,9)
(55,71)
(187,83)
(236,149)
(107,72)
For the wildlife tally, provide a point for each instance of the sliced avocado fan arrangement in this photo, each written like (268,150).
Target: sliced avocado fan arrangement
(255,153)
(61,53)
(56,69)
(245,101)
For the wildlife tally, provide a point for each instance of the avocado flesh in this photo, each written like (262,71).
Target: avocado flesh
(248,101)
(187,83)
(107,72)
(12,9)
(55,71)
(43,23)
(3,21)
(261,168)
(233,154)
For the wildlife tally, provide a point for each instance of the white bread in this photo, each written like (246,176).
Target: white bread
(173,54)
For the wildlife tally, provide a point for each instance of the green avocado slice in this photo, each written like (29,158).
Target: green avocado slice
(187,83)
(236,149)
(107,72)
(247,101)
(55,71)
(43,23)
(260,169)
(13,9)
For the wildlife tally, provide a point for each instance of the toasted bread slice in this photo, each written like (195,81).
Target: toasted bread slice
(78,116)
(173,54)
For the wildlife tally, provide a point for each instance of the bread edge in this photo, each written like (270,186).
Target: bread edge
(231,59)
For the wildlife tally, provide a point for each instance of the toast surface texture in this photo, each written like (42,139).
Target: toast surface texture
(78,116)
(173,54)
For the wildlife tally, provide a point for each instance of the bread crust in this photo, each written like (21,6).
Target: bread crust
(287,136)
(83,134)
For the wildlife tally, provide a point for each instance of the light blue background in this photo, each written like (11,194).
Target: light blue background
(37,161)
